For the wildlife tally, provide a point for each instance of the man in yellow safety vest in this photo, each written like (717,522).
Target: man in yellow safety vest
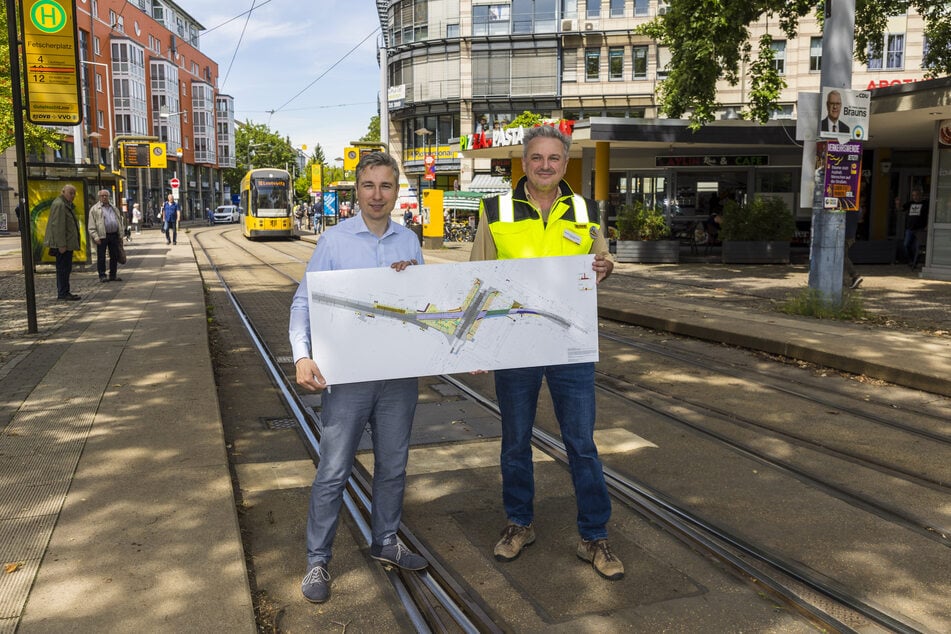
(543,217)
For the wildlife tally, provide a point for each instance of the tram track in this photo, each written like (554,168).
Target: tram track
(768,570)
(434,601)
(777,577)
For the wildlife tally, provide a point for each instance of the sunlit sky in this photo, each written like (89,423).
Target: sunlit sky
(312,63)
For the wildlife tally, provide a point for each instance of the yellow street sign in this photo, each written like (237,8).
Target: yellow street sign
(51,58)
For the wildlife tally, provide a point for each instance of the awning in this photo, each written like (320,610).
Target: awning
(489,184)
(465,201)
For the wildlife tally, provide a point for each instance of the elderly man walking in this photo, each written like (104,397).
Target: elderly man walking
(105,229)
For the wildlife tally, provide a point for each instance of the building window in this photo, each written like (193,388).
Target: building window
(641,8)
(663,61)
(779,56)
(874,55)
(617,8)
(592,64)
(95,46)
(452,30)
(615,63)
(815,54)
(490,19)
(895,53)
(640,61)
(925,47)
(593,8)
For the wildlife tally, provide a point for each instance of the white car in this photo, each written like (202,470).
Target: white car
(226,214)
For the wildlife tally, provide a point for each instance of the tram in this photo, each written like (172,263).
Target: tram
(266,204)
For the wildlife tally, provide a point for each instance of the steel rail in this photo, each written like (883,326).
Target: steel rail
(711,538)
(467,614)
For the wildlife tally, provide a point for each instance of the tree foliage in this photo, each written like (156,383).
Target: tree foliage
(373,130)
(709,41)
(36,137)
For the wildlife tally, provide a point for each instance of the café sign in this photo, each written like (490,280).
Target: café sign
(708,160)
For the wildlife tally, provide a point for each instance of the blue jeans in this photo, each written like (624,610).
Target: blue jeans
(572,391)
(388,407)
(911,246)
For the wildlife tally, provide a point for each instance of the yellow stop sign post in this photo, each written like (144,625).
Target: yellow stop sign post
(51,61)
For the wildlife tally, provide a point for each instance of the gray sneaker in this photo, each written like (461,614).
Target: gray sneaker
(397,555)
(604,561)
(514,539)
(316,584)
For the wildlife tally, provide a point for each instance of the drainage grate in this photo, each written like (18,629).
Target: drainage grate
(279,423)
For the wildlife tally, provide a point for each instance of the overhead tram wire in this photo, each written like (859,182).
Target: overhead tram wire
(332,66)
(238,43)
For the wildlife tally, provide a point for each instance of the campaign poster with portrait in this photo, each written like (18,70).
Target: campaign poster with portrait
(845,114)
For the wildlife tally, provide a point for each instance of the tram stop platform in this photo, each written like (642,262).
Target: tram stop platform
(116,504)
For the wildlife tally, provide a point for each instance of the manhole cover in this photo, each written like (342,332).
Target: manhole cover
(279,423)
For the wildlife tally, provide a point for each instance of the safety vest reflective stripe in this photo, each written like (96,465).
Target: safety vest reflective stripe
(507,208)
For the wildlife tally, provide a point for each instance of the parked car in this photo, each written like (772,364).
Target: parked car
(226,214)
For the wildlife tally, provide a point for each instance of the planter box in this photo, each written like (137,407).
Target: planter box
(648,251)
(873,252)
(755,252)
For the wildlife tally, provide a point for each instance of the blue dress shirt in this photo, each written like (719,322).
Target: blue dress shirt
(348,245)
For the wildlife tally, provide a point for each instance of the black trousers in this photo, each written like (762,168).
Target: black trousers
(64,266)
(110,243)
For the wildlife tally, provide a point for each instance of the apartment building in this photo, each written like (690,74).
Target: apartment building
(143,77)
(457,72)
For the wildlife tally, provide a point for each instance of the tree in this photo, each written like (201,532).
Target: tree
(373,130)
(256,145)
(36,137)
(709,39)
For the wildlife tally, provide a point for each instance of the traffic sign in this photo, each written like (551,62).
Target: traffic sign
(174,183)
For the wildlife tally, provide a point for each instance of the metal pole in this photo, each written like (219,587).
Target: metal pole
(828,227)
(26,242)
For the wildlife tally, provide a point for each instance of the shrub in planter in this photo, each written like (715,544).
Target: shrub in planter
(640,222)
(758,232)
(643,235)
(766,218)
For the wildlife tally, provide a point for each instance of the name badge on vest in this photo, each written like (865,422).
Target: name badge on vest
(574,237)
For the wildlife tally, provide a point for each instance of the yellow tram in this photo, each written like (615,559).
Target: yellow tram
(266,204)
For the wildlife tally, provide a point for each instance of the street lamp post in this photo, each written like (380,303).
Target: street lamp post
(339,162)
(109,108)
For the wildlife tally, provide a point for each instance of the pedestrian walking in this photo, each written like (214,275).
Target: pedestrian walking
(170,216)
(105,229)
(136,217)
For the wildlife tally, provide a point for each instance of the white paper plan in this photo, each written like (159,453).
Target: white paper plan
(373,324)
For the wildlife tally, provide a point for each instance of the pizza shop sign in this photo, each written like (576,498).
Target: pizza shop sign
(508,136)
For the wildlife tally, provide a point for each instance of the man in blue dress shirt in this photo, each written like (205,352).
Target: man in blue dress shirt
(368,240)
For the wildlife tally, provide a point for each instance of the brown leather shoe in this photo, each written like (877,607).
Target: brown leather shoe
(599,554)
(514,539)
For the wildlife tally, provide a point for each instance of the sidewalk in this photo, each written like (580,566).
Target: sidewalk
(906,340)
(116,506)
